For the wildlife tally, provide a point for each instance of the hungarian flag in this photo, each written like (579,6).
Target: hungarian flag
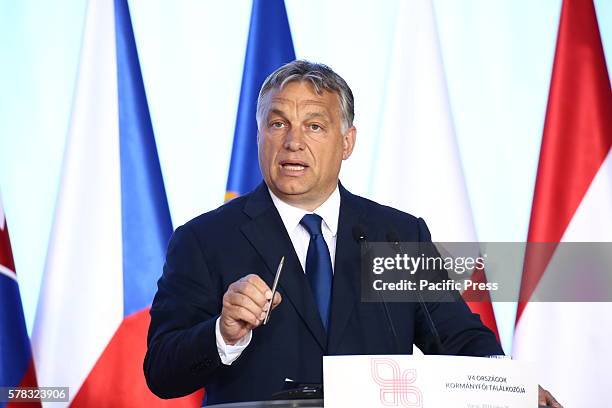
(269,46)
(418,166)
(16,364)
(110,230)
(569,342)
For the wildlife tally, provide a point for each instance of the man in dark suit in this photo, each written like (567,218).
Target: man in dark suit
(206,320)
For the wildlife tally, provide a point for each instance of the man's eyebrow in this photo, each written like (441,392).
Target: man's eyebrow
(280,111)
(311,115)
(276,111)
(280,99)
(317,115)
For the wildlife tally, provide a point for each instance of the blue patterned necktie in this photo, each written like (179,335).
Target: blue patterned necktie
(318,266)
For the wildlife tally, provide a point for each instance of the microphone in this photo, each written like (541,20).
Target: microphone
(393,239)
(360,236)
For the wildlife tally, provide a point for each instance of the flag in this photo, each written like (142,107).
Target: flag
(569,342)
(110,230)
(16,363)
(417,165)
(269,46)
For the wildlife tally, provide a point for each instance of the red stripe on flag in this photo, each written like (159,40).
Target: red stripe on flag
(117,379)
(577,134)
(28,380)
(6,255)
(487,316)
(479,301)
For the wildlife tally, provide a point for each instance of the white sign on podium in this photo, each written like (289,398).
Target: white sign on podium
(427,382)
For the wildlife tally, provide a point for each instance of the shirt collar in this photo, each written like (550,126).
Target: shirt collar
(329,211)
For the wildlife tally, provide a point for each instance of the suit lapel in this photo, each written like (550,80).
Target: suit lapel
(346,282)
(266,232)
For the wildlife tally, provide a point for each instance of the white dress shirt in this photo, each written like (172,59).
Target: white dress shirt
(329,211)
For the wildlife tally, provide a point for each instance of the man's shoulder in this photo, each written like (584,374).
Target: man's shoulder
(389,221)
(375,209)
(223,216)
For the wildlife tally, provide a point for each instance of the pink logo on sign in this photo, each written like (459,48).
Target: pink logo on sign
(396,386)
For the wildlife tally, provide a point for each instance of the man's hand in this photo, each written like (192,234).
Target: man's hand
(546,398)
(244,307)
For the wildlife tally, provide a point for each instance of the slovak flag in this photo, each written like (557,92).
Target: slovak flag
(110,231)
(16,364)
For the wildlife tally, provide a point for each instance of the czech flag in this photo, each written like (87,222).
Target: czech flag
(110,231)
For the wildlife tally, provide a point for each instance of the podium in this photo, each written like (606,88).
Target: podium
(367,381)
(312,403)
(305,403)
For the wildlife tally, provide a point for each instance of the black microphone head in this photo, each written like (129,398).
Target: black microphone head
(359,233)
(392,237)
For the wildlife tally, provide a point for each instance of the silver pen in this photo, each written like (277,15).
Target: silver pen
(274,285)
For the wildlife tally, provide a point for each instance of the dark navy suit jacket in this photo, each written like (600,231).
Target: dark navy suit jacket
(247,236)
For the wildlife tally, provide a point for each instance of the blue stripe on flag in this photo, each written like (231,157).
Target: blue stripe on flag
(15,352)
(269,46)
(146,223)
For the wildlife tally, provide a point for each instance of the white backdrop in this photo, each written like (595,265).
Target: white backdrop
(497,57)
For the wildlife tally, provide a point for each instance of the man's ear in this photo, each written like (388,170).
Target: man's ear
(348,142)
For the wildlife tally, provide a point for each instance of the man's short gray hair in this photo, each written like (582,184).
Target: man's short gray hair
(320,76)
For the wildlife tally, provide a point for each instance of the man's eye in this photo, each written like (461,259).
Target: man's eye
(314,127)
(277,125)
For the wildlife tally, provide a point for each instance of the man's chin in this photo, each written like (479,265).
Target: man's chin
(290,188)
(292,191)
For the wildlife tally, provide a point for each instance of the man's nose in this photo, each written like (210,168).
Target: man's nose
(294,139)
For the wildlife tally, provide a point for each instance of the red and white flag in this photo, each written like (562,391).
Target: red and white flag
(418,168)
(569,342)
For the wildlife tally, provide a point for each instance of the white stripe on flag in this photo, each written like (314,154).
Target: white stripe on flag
(7,272)
(418,168)
(81,301)
(2,216)
(569,342)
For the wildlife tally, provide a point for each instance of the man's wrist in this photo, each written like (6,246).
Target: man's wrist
(228,342)
(230,352)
